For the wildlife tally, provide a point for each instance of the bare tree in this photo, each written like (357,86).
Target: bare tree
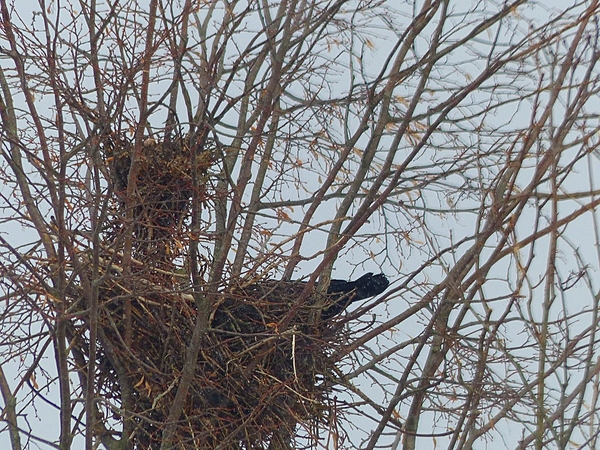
(186,182)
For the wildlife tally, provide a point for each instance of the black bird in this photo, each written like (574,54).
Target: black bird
(342,293)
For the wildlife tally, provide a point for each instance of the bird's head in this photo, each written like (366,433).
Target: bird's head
(370,285)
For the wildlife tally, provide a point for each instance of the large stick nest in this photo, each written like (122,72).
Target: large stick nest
(255,385)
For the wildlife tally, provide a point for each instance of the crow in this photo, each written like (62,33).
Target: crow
(342,293)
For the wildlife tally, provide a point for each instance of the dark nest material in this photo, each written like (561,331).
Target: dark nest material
(256,386)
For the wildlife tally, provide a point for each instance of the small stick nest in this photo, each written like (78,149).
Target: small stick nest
(255,385)
(164,187)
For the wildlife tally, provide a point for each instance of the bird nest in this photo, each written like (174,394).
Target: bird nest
(256,386)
